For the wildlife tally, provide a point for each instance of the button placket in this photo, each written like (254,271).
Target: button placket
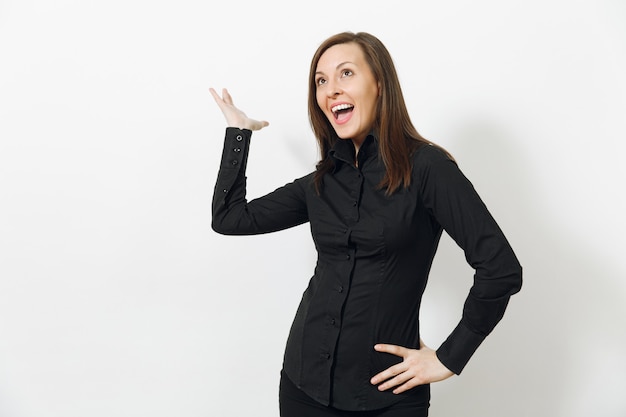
(355,195)
(237,150)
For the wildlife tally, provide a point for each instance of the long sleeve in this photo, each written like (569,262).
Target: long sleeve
(233,214)
(455,205)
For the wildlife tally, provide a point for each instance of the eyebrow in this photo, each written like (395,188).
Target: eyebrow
(338,66)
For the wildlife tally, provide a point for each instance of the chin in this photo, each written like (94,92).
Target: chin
(344,135)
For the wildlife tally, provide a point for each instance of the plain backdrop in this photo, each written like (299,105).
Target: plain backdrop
(117,298)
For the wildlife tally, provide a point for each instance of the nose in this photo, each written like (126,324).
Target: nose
(332,89)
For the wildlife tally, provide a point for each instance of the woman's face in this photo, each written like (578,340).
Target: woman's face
(347,91)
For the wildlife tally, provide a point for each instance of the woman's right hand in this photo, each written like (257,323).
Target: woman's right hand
(234,116)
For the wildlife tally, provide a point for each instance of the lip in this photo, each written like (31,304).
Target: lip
(339,103)
(343,121)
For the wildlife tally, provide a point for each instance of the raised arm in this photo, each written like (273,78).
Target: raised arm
(232,213)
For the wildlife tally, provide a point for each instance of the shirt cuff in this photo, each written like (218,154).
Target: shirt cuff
(458,348)
(236,145)
(233,163)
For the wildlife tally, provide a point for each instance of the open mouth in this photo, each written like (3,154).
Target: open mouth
(342,111)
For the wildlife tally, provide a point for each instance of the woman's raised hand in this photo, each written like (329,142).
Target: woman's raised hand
(234,116)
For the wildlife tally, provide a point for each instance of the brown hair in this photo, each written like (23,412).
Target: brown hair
(397,136)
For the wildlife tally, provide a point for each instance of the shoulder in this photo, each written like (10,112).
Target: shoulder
(306,182)
(428,157)
(433,168)
(307,179)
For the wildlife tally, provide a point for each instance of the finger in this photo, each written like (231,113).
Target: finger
(392,349)
(258,125)
(215,95)
(227,97)
(406,386)
(220,102)
(396,381)
(388,373)
(224,107)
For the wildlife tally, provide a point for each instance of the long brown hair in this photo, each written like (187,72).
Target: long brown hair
(397,136)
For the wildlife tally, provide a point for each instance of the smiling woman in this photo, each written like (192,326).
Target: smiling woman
(347,91)
(377,204)
(367,60)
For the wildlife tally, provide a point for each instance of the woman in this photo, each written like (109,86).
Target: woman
(377,204)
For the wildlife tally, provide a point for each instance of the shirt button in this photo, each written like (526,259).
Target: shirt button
(354,203)
(225,190)
(340,289)
(239,138)
(234,162)
(327,355)
(237,149)
(332,321)
(348,257)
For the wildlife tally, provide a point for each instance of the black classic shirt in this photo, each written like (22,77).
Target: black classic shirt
(374,255)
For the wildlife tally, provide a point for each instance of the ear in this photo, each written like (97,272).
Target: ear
(380,89)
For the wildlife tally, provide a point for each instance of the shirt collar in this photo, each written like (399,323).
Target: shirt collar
(343,150)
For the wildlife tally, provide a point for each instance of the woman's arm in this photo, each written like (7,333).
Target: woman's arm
(457,207)
(232,213)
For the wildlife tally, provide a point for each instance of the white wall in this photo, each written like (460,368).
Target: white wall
(116,298)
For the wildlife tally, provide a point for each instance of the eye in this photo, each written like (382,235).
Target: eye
(346,73)
(320,81)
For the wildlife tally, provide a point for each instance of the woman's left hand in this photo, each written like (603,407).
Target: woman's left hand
(419,367)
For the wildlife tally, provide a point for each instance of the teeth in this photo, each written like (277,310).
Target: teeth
(341,107)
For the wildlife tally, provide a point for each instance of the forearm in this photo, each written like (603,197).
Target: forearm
(233,214)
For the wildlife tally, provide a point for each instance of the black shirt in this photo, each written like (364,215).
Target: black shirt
(374,255)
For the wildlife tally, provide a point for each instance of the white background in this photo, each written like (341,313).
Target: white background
(117,299)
